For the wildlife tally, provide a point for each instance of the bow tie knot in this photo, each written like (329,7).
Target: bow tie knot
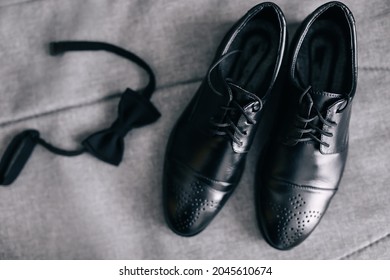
(134,110)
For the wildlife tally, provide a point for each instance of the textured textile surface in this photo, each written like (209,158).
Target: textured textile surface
(82,208)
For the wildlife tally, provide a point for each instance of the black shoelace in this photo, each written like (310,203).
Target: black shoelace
(134,110)
(228,126)
(311,130)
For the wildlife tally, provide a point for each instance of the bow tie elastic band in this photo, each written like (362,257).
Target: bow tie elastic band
(134,110)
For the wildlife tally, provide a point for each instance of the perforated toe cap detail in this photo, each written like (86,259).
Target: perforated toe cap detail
(292,226)
(288,214)
(191,203)
(192,207)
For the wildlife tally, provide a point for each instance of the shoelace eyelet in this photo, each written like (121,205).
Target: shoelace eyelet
(342,107)
(256,107)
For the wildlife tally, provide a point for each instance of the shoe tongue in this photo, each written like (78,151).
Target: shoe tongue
(241,96)
(322,100)
(218,82)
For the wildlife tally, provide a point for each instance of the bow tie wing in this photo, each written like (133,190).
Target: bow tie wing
(134,111)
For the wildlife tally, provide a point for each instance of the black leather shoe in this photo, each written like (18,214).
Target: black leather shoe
(304,165)
(207,149)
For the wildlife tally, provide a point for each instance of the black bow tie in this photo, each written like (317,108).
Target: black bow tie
(134,110)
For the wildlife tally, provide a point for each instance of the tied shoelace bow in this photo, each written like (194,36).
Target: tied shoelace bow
(228,126)
(134,110)
(311,125)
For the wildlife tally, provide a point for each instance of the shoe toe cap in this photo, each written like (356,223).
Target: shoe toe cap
(190,202)
(289,214)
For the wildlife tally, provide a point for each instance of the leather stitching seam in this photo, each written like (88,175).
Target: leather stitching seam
(301,186)
(224,184)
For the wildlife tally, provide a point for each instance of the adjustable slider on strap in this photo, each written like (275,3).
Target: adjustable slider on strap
(19,151)
(16,155)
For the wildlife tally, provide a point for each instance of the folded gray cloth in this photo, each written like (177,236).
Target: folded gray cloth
(82,208)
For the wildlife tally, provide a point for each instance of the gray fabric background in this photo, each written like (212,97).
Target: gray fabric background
(82,208)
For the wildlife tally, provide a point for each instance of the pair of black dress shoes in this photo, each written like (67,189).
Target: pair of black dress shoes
(305,158)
